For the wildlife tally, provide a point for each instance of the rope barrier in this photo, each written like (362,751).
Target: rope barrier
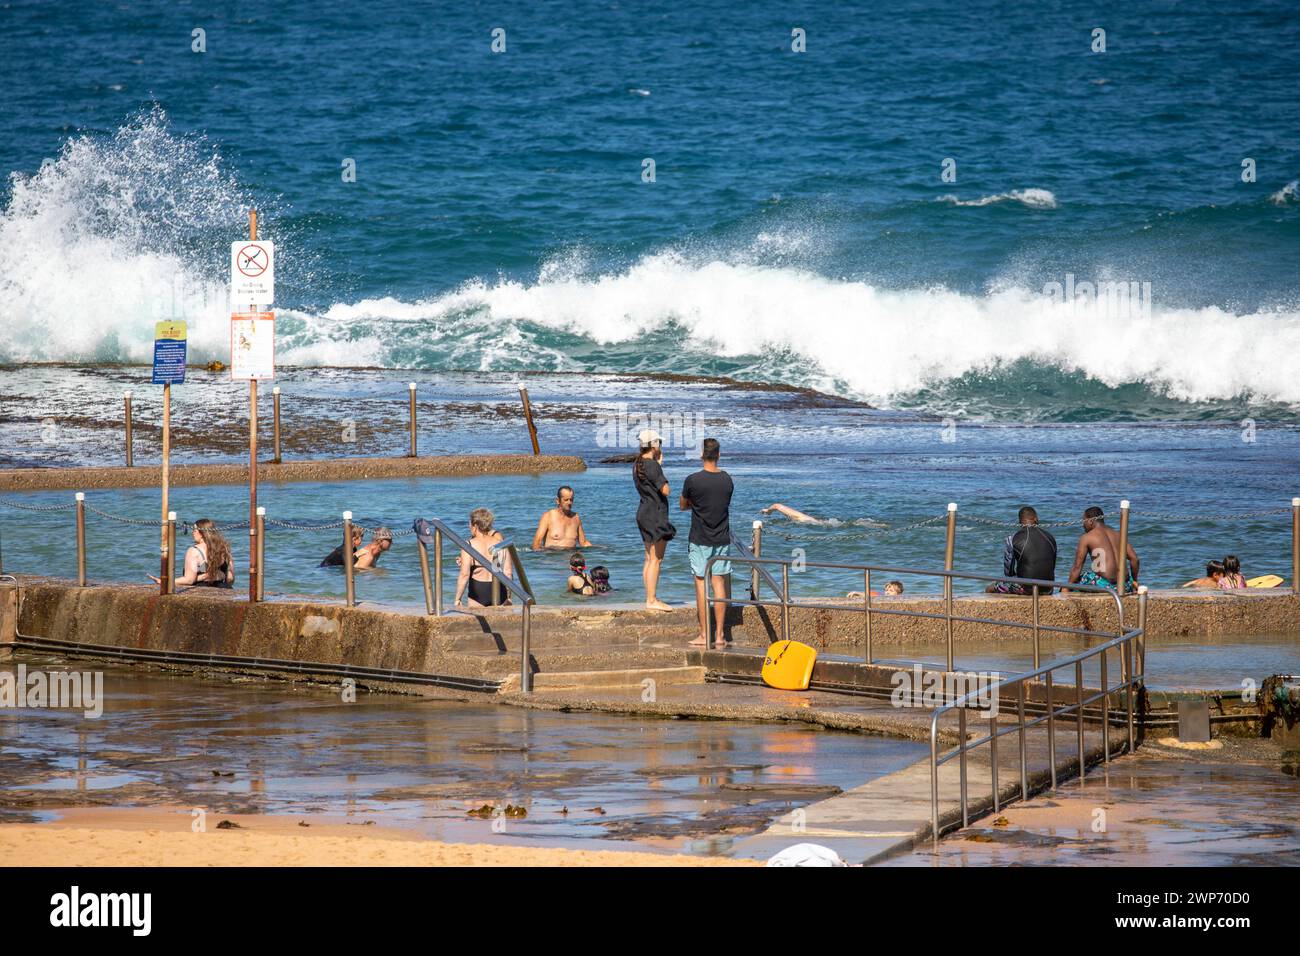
(21,507)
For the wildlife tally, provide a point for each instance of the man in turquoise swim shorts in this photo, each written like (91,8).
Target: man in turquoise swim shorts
(707,495)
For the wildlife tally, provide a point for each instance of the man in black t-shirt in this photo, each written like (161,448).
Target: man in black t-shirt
(707,495)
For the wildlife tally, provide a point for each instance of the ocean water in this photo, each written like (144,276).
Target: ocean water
(798,228)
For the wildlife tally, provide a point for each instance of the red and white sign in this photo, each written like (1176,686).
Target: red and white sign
(252,346)
(252,273)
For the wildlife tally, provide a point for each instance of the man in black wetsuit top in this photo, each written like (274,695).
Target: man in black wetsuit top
(1028,552)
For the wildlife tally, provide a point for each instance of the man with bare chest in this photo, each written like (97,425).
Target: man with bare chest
(561,527)
(1096,559)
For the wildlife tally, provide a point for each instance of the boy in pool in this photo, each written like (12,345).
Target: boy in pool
(1213,574)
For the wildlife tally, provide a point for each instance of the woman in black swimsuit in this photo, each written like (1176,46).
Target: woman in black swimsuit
(652,513)
(474,577)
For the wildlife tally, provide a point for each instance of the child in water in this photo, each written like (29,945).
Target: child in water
(583,582)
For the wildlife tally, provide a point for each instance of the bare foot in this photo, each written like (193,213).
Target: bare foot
(700,641)
(657,606)
(721,645)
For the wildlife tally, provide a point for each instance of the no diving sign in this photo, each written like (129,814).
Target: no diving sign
(252,273)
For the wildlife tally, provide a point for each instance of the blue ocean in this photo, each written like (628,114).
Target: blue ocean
(876,216)
(1032,253)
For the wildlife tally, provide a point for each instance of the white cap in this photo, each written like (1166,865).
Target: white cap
(757,525)
(1142,589)
(171,516)
(127,393)
(1295,502)
(261,512)
(347,516)
(952,506)
(648,437)
(1124,504)
(276,390)
(81,496)
(411,386)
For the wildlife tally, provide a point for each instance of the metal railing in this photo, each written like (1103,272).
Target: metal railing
(1033,586)
(1130,684)
(519,589)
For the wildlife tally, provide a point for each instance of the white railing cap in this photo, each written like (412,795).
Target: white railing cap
(1124,503)
(757,525)
(347,516)
(952,506)
(81,496)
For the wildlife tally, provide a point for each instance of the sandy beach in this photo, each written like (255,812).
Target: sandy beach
(161,837)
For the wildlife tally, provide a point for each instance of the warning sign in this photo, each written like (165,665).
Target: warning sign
(169,353)
(252,346)
(252,273)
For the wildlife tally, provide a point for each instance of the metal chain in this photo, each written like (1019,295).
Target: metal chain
(21,507)
(123,520)
(293,526)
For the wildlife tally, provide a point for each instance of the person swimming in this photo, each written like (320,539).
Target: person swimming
(1213,575)
(1232,577)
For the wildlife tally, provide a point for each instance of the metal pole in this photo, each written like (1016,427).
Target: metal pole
(948,551)
(1295,545)
(757,548)
(1020,717)
(525,672)
(961,759)
(347,558)
(1121,583)
(253,569)
(993,759)
(81,539)
(785,602)
(934,785)
(1078,699)
(275,394)
(528,416)
(437,571)
(866,611)
(1105,709)
(1142,638)
(424,574)
(1128,690)
(130,457)
(410,387)
(168,544)
(170,571)
(1038,642)
(1051,729)
(261,554)
(496,584)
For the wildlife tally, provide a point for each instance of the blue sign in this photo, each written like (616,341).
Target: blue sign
(169,349)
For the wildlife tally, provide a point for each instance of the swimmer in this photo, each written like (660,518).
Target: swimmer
(791,513)
(1213,574)
(381,539)
(561,527)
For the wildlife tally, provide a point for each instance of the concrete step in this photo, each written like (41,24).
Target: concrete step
(632,677)
(593,658)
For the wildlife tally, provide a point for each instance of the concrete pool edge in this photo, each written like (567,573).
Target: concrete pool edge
(322,469)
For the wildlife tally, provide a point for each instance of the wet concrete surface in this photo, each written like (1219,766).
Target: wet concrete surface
(244,745)
(1232,805)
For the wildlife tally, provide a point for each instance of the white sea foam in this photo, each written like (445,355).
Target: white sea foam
(1287,194)
(879,342)
(105,239)
(1034,198)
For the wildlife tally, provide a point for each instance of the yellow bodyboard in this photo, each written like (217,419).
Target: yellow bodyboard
(789,665)
(1264,581)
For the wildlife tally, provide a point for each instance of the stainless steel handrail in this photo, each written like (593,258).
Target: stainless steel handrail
(519,589)
(1034,585)
(745,552)
(1130,684)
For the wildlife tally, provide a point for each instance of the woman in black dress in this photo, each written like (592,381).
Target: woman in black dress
(652,513)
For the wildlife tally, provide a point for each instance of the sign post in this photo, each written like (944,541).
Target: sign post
(169,352)
(252,353)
